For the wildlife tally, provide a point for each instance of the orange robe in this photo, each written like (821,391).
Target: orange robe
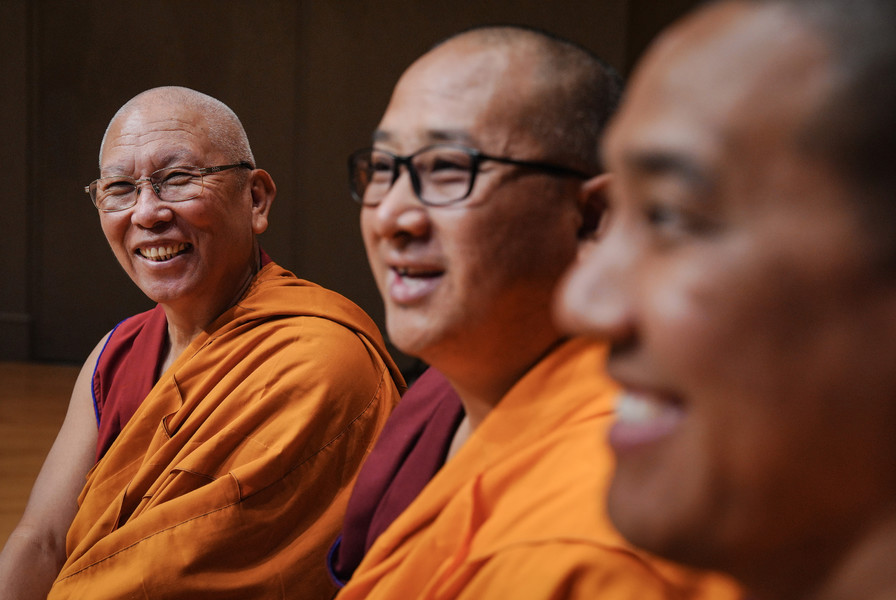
(232,477)
(518,512)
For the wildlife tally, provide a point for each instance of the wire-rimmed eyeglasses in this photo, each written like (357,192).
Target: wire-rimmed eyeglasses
(171,184)
(441,174)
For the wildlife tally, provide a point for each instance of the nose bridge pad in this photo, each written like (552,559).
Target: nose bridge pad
(153,209)
(396,172)
(156,188)
(415,179)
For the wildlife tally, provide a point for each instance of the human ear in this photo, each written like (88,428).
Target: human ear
(592,204)
(263,191)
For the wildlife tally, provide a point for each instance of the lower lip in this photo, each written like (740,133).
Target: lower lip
(407,290)
(627,436)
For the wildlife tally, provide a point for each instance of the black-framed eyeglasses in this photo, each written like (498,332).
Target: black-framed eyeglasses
(171,184)
(441,174)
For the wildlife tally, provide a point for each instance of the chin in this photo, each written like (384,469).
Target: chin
(641,514)
(649,521)
(409,339)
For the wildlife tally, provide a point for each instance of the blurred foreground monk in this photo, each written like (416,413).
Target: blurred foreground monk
(478,190)
(746,278)
(227,424)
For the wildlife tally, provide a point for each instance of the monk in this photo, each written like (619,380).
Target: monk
(745,278)
(482,182)
(222,430)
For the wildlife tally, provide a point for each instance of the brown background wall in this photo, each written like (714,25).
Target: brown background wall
(309,80)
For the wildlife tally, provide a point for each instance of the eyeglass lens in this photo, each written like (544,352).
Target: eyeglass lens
(439,175)
(174,184)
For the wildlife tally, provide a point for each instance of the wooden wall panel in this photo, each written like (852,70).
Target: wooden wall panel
(93,56)
(15,318)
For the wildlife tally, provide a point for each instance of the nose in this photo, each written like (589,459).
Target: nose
(399,215)
(595,297)
(150,211)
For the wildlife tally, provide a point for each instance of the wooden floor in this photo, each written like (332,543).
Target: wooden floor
(33,400)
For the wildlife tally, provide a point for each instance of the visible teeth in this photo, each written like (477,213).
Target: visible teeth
(636,408)
(157,253)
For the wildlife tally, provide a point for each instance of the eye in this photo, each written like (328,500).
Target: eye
(660,215)
(380,163)
(445,167)
(380,168)
(176,176)
(449,163)
(671,222)
(116,187)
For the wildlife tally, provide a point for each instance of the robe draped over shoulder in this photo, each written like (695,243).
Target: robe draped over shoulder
(519,511)
(232,476)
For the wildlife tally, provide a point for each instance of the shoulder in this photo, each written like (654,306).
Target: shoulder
(302,320)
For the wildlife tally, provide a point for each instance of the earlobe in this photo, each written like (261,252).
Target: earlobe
(592,204)
(263,191)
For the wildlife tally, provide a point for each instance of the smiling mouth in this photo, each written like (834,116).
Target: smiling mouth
(643,418)
(163,253)
(406,272)
(410,285)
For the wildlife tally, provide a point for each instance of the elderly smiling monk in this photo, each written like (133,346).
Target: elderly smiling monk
(475,197)
(223,427)
(746,278)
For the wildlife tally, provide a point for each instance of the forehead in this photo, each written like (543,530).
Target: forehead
(461,91)
(737,78)
(162,132)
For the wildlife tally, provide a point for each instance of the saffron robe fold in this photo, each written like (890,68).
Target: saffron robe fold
(519,513)
(231,478)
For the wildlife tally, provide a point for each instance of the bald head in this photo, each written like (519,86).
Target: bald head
(220,124)
(573,93)
(750,322)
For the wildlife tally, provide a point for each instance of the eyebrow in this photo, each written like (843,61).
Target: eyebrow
(457,136)
(658,162)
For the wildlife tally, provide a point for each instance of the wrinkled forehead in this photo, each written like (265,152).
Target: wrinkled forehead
(162,133)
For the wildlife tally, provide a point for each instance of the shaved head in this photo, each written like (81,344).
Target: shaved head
(574,93)
(223,128)
(854,128)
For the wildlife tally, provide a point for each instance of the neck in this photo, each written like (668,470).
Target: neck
(482,381)
(865,572)
(186,322)
(859,569)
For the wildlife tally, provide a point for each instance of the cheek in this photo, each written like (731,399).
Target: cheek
(225,223)
(681,314)
(114,228)
(370,247)
(704,325)
(535,247)
(366,225)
